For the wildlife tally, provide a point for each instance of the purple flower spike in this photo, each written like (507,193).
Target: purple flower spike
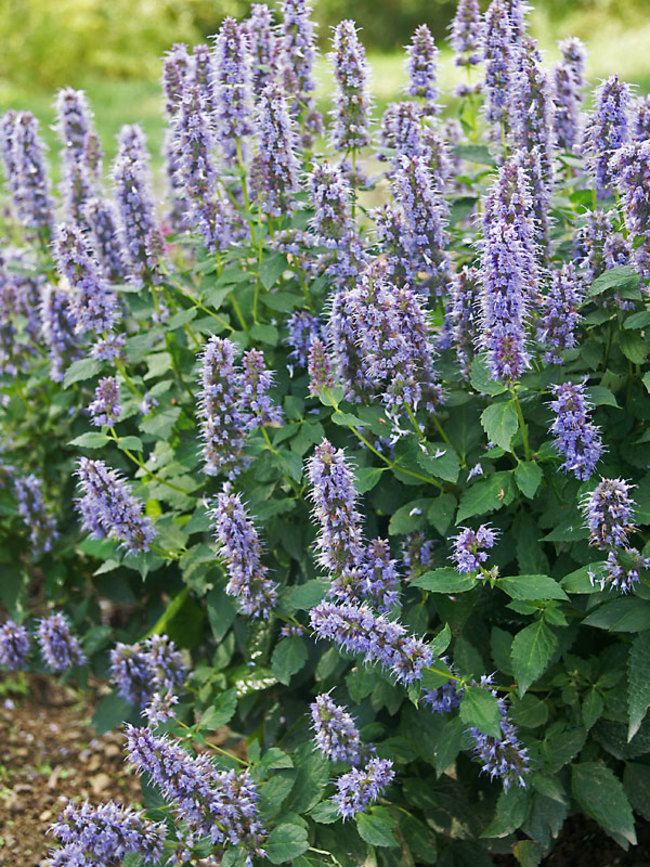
(32,188)
(223,425)
(335,734)
(14,646)
(502,758)
(623,570)
(360,787)
(606,131)
(470,547)
(106,409)
(640,126)
(299,52)
(256,380)
(60,649)
(232,64)
(466,35)
(177,70)
(560,317)
(8,151)
(319,368)
(464,316)
(568,79)
(576,438)
(204,80)
(104,836)
(499,57)
(275,166)
(264,47)
(350,114)
(101,219)
(109,510)
(609,514)
(33,511)
(421,67)
(241,550)
(303,328)
(141,670)
(58,325)
(631,166)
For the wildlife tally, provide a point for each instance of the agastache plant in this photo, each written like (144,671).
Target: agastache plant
(498,56)
(421,67)
(176,74)
(35,515)
(153,666)
(60,649)
(101,220)
(32,186)
(350,115)
(556,330)
(58,326)
(233,90)
(606,130)
(502,758)
(464,316)
(298,55)
(631,165)
(568,82)
(106,408)
(335,733)
(274,170)
(470,547)
(264,47)
(576,438)
(361,787)
(203,78)
(14,646)
(466,33)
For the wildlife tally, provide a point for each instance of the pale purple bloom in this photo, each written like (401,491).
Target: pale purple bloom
(106,409)
(58,325)
(504,757)
(606,131)
(32,189)
(355,629)
(335,733)
(401,131)
(361,787)
(109,348)
(319,367)
(559,315)
(203,79)
(590,241)
(471,547)
(640,122)
(60,649)
(608,513)
(218,805)
(623,572)
(144,669)
(445,699)
(417,553)
(8,151)
(498,54)
(256,381)
(223,421)
(233,85)
(303,328)
(421,67)
(81,156)
(177,70)
(275,165)
(380,575)
(568,79)
(350,113)
(101,219)
(264,47)
(104,836)
(465,316)
(298,54)
(241,549)
(33,511)
(631,167)
(161,708)
(93,304)
(74,121)
(576,437)
(108,508)
(14,646)
(466,36)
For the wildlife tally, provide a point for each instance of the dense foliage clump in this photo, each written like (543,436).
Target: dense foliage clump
(340,442)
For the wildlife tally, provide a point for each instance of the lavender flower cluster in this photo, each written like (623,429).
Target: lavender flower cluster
(145,671)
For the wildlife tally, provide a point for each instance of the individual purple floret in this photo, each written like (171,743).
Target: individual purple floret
(358,631)
(466,35)
(556,329)
(161,708)
(218,805)
(101,219)
(640,121)
(340,538)
(196,173)
(606,131)
(350,112)
(275,167)
(93,305)
(32,509)
(14,646)
(332,225)
(132,182)
(425,237)
(576,437)
(631,167)
(502,758)
(335,732)
(608,513)
(380,575)
(223,422)
(141,670)
(319,368)
(465,315)
(256,381)
(506,273)
(445,699)
(623,570)
(104,836)
(109,510)
(298,54)
(109,348)
(241,549)
(421,68)
(32,189)
(58,325)
(360,787)
(264,47)
(303,328)
(498,54)
(106,409)
(471,546)
(232,66)
(568,81)
(60,649)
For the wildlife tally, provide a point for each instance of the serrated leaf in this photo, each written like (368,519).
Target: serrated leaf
(500,423)
(638,689)
(444,580)
(109,713)
(367,477)
(601,795)
(409,517)
(80,370)
(633,346)
(531,652)
(512,808)
(478,707)
(221,712)
(621,615)
(271,268)
(304,596)
(90,440)
(531,587)
(598,395)
(289,656)
(376,827)
(285,843)
(441,641)
(528,476)
(481,380)
(441,512)
(483,497)
(621,277)
(346,419)
(133,444)
(161,424)
(636,781)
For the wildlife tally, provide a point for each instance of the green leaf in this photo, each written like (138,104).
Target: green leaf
(440,513)
(83,368)
(528,476)
(622,277)
(346,419)
(480,708)
(286,842)
(598,395)
(601,795)
(304,596)
(475,153)
(161,424)
(646,380)
(441,641)
(445,580)
(221,612)
(271,268)
(367,478)
(621,615)
(531,587)
(633,346)
(638,692)
(376,827)
(531,652)
(484,496)
(133,444)
(289,656)
(636,781)
(109,713)
(90,440)
(581,581)
(221,712)
(408,517)
(637,320)
(325,813)
(512,808)
(500,423)
(481,380)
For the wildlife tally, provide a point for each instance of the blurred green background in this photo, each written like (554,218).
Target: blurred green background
(112,48)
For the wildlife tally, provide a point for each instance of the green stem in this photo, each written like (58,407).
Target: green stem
(522,424)
(200,306)
(141,464)
(414,421)
(238,313)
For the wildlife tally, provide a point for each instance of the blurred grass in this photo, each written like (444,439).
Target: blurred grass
(611,46)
